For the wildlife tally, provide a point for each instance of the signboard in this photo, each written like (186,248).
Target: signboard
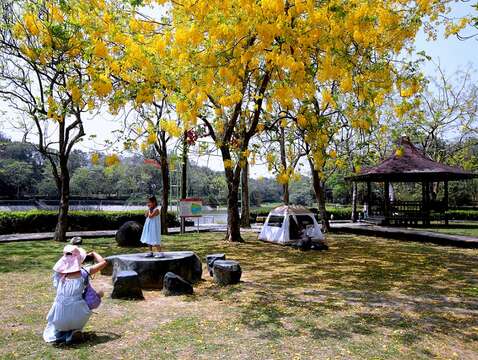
(190,207)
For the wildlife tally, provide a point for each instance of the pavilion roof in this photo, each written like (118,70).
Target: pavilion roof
(411,165)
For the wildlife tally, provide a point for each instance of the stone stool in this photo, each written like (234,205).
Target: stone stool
(108,269)
(210,259)
(226,272)
(175,285)
(126,286)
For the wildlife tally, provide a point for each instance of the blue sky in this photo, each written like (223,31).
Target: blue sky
(452,53)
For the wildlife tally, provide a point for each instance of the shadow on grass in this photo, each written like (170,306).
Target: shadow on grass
(359,287)
(91,338)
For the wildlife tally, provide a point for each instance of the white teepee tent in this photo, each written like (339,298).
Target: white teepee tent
(286,224)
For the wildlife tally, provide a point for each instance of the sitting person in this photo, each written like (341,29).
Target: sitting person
(69,312)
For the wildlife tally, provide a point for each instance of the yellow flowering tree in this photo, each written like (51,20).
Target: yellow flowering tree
(233,59)
(349,61)
(133,69)
(282,147)
(43,78)
(154,127)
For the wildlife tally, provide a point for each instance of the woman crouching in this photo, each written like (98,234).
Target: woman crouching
(70,312)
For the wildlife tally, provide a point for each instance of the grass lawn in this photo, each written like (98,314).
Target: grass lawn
(365,298)
(468,228)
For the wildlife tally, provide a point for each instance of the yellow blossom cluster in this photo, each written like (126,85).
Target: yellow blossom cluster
(171,127)
(112,160)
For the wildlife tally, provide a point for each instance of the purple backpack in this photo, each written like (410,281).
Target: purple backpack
(92,299)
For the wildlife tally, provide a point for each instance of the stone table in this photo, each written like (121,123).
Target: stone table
(151,270)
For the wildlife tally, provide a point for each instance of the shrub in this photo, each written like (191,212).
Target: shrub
(45,221)
(463,214)
(339,213)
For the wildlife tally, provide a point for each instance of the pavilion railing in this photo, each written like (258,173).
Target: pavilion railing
(409,211)
(399,207)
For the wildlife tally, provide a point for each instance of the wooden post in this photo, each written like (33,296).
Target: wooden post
(445,200)
(426,203)
(354,202)
(386,204)
(369,198)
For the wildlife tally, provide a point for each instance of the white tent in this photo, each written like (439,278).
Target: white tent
(286,224)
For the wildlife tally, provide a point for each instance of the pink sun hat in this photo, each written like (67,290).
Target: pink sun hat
(70,262)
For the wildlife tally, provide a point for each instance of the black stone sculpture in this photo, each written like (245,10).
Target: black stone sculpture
(210,259)
(151,270)
(227,272)
(175,285)
(126,286)
(129,234)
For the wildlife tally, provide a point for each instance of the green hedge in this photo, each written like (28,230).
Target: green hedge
(339,213)
(463,214)
(45,221)
(344,213)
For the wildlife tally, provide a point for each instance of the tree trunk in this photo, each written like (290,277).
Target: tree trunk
(165,194)
(245,208)
(354,202)
(184,177)
(283,160)
(64,190)
(233,221)
(320,196)
(285,188)
(162,150)
(184,168)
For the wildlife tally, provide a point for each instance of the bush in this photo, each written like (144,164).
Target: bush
(45,221)
(339,213)
(463,214)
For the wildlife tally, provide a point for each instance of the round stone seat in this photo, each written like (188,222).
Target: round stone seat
(210,259)
(226,272)
(151,270)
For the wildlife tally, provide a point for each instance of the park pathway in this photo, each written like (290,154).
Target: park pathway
(407,234)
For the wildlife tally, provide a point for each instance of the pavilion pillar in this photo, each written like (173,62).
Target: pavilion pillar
(386,203)
(445,202)
(369,199)
(354,201)
(426,203)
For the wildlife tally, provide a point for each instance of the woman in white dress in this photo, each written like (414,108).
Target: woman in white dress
(69,312)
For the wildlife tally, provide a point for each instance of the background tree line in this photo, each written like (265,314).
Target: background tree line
(24,174)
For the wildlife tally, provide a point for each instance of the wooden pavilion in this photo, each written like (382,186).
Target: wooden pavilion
(408,165)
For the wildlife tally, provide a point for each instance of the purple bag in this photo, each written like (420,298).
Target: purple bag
(92,299)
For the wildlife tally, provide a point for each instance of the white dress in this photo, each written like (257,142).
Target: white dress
(152,230)
(69,312)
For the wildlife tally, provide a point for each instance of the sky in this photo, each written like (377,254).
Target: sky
(452,54)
